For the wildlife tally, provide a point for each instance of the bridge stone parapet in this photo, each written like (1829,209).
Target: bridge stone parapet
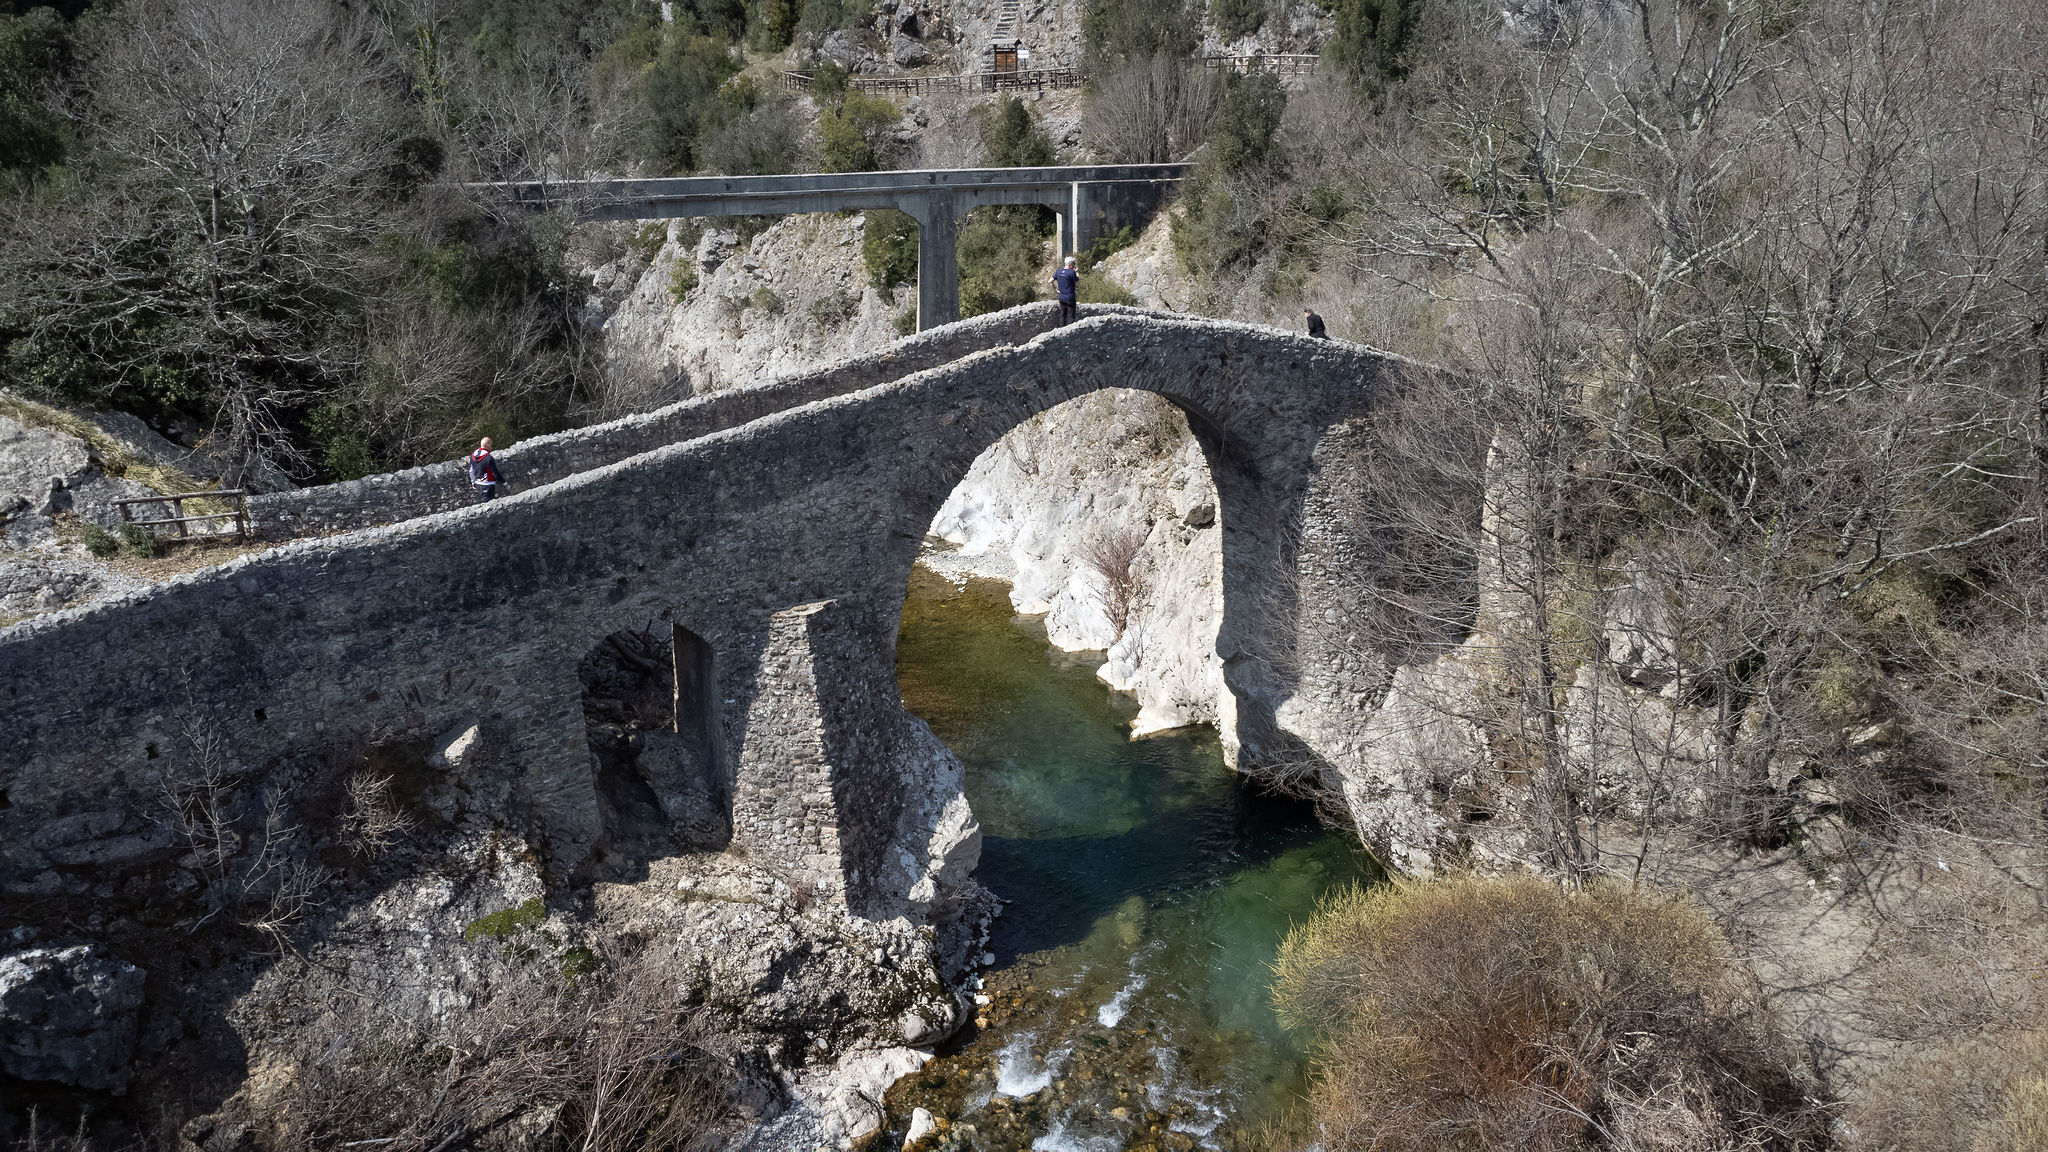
(394,496)
(783,544)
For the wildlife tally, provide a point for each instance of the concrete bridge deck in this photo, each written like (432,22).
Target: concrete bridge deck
(1088,200)
(777,548)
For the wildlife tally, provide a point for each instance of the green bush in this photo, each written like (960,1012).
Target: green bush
(1106,245)
(856,134)
(579,962)
(828,83)
(1113,31)
(1095,288)
(1372,37)
(1474,1013)
(1247,123)
(834,308)
(765,299)
(681,279)
(340,440)
(682,90)
(1213,230)
(1236,18)
(761,136)
(771,24)
(98,540)
(1001,252)
(906,321)
(888,244)
(1012,138)
(137,541)
(33,47)
(822,16)
(648,240)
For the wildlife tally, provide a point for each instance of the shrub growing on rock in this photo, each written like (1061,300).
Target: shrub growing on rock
(1473,1014)
(888,244)
(857,135)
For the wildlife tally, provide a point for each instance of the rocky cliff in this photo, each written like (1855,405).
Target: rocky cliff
(688,309)
(1103,500)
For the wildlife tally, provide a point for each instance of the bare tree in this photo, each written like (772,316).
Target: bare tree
(240,841)
(606,1060)
(1113,557)
(1153,110)
(372,819)
(234,149)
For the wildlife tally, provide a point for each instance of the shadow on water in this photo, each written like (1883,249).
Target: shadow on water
(1149,890)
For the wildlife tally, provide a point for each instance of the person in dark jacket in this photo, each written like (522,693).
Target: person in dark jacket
(1315,325)
(483,471)
(1066,282)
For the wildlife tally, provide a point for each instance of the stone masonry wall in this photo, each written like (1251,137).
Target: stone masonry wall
(479,616)
(430,488)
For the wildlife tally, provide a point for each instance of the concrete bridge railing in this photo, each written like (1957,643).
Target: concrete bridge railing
(781,548)
(1087,199)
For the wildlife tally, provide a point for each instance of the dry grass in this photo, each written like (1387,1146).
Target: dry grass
(1985,1093)
(115,459)
(601,1060)
(1495,1014)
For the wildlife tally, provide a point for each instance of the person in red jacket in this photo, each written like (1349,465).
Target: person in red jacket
(483,471)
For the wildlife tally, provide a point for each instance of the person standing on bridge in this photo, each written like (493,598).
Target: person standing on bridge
(483,471)
(1315,325)
(1066,282)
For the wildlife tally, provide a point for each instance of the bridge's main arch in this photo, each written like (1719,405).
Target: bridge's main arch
(783,547)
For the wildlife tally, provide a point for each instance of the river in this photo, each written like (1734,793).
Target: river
(1149,889)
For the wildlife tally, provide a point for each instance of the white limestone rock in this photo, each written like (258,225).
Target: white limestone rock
(793,298)
(68,1016)
(1112,462)
(908,52)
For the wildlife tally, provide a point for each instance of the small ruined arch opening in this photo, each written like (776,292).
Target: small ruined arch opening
(650,714)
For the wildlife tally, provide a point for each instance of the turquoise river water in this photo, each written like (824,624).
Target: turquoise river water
(1149,888)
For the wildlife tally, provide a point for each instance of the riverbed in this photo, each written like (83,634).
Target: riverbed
(1149,887)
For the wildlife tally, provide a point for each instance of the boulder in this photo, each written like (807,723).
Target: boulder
(843,47)
(68,1016)
(907,52)
(31,456)
(1641,636)
(921,1125)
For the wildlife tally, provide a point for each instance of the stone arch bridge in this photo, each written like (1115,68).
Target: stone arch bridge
(772,538)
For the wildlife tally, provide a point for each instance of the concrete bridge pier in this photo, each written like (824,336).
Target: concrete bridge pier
(938,259)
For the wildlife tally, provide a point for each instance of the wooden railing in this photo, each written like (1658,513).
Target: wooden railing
(1282,63)
(236,498)
(1038,79)
(1027,80)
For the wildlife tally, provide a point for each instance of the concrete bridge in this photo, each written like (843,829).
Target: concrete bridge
(1088,200)
(770,553)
